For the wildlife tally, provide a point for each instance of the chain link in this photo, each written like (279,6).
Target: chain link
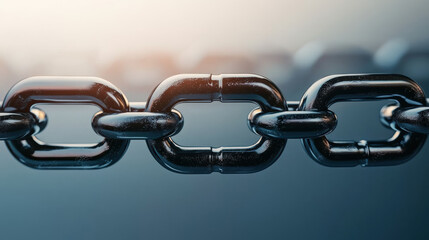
(66,90)
(156,121)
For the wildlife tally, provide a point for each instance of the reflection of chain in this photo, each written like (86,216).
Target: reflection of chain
(156,121)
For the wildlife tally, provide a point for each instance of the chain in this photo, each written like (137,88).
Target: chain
(155,121)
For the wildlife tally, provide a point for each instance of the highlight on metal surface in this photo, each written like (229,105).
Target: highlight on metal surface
(400,148)
(156,121)
(223,88)
(65,90)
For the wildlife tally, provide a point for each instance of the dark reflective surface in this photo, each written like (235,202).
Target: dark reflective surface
(411,119)
(61,90)
(136,198)
(224,88)
(137,125)
(18,125)
(292,124)
(400,148)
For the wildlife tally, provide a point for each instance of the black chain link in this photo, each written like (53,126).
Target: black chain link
(156,121)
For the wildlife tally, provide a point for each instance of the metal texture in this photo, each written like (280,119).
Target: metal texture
(65,90)
(20,125)
(410,119)
(292,124)
(224,88)
(156,121)
(16,125)
(137,125)
(327,91)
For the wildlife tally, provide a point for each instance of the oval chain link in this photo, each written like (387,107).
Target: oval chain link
(156,121)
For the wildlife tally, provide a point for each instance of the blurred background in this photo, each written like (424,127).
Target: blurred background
(137,44)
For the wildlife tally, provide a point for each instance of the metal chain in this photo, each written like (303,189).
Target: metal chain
(156,121)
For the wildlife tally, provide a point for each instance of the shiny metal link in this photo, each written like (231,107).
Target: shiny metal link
(137,125)
(65,90)
(400,148)
(20,125)
(292,124)
(413,119)
(156,121)
(410,119)
(224,88)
